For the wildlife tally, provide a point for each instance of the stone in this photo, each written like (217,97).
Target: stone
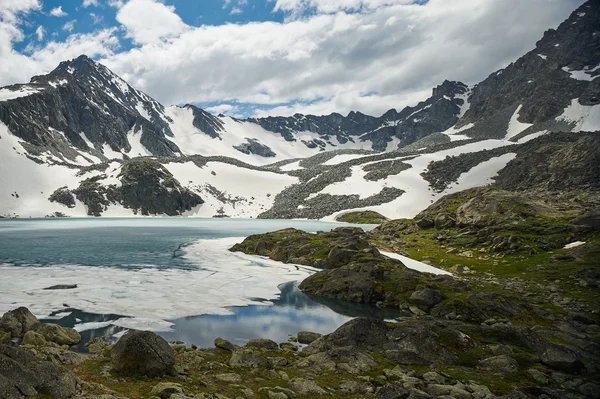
(500,364)
(426,299)
(164,390)
(21,374)
(34,338)
(561,358)
(432,377)
(262,344)
(62,287)
(276,395)
(305,387)
(229,377)
(17,322)
(538,376)
(222,343)
(287,346)
(450,390)
(59,335)
(247,358)
(144,353)
(393,391)
(306,337)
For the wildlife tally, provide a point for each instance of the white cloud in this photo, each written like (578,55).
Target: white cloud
(17,68)
(40,32)
(369,61)
(69,26)
(148,21)
(58,12)
(88,3)
(227,109)
(297,7)
(96,18)
(236,11)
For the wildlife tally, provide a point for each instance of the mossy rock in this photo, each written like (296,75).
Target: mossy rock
(362,217)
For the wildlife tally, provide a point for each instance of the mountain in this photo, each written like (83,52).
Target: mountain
(81,141)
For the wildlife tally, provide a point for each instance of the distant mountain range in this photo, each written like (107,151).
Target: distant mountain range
(83,134)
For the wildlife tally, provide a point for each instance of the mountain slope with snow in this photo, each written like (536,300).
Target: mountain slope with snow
(77,133)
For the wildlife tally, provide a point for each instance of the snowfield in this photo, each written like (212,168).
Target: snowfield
(248,192)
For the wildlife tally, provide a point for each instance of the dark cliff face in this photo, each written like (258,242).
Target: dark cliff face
(437,113)
(82,96)
(541,80)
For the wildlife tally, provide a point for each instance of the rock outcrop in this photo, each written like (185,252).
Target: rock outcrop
(143,353)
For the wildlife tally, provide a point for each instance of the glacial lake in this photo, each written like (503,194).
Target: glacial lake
(174,276)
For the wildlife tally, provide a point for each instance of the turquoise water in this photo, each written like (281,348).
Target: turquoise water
(123,242)
(174,276)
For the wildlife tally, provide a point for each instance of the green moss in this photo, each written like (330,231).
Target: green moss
(362,217)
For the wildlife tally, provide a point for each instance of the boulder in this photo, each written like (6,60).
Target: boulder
(59,335)
(449,390)
(562,358)
(144,353)
(500,364)
(164,390)
(17,322)
(306,337)
(306,388)
(393,391)
(247,358)
(262,344)
(229,377)
(222,343)
(21,374)
(426,299)
(34,338)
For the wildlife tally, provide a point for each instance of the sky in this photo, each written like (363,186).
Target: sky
(255,58)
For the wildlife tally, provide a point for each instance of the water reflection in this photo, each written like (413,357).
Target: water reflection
(292,312)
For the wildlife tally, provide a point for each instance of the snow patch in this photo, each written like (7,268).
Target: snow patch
(542,56)
(248,192)
(585,117)
(291,166)
(415,264)
(584,74)
(574,244)
(514,126)
(24,91)
(338,159)
(110,153)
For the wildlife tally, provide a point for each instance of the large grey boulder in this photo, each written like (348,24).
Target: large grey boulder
(143,353)
(426,299)
(18,322)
